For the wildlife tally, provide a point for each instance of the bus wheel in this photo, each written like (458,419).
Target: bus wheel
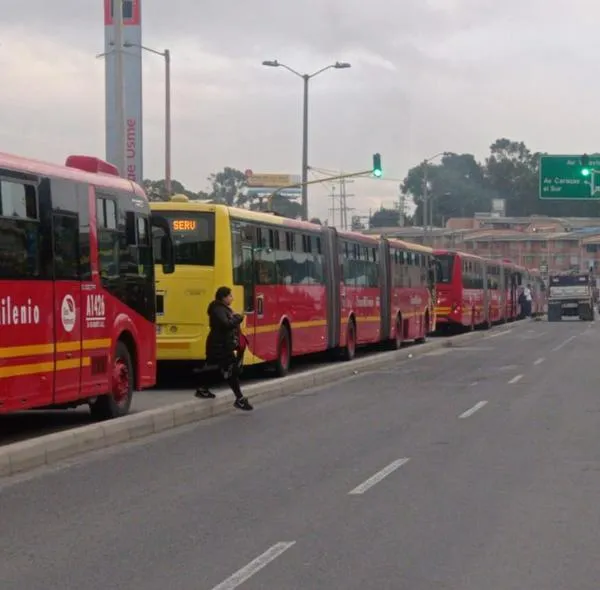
(398,337)
(282,364)
(118,402)
(349,351)
(422,339)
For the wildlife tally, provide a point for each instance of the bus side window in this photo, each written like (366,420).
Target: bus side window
(243,262)
(20,242)
(108,238)
(66,246)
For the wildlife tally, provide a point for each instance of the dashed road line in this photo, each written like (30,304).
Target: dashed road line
(375,479)
(498,334)
(472,410)
(515,379)
(254,566)
(563,344)
(539,361)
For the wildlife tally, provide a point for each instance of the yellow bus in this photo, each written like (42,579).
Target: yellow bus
(304,288)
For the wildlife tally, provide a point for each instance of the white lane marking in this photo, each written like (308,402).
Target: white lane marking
(515,379)
(375,479)
(539,361)
(254,566)
(537,335)
(498,334)
(472,410)
(439,352)
(563,344)
(474,383)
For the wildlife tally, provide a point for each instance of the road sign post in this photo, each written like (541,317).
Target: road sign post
(564,178)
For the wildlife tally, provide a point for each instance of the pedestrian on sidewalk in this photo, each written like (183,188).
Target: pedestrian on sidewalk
(225,346)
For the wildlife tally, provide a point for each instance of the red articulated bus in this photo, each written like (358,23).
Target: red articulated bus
(304,288)
(77,299)
(386,291)
(474,291)
(462,293)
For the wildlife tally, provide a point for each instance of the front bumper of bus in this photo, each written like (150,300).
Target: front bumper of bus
(180,343)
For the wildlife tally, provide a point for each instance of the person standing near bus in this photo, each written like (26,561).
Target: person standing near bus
(224,346)
(528,299)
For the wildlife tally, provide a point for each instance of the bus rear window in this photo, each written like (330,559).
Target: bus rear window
(445,266)
(193,238)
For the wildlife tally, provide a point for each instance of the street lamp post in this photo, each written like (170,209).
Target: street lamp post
(426,193)
(166,54)
(305,78)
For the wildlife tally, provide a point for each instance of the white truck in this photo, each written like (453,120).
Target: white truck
(571,295)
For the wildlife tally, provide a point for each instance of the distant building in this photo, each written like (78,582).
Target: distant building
(535,242)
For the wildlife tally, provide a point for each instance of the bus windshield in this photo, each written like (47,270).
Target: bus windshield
(445,266)
(193,237)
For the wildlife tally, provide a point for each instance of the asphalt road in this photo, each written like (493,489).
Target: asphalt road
(469,468)
(172,388)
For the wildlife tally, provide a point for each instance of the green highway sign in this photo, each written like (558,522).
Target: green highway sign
(567,177)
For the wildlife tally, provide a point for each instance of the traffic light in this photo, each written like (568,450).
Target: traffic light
(377,171)
(585,165)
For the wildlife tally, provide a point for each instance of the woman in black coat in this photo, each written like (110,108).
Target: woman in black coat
(223,345)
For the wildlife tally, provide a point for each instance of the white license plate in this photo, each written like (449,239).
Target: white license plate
(570,305)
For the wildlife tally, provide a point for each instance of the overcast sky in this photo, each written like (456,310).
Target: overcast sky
(426,76)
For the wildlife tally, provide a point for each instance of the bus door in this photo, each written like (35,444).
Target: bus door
(487,294)
(249,306)
(514,296)
(67,307)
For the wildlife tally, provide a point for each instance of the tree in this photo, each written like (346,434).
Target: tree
(456,188)
(156,190)
(286,207)
(227,187)
(385,218)
(316,221)
(511,173)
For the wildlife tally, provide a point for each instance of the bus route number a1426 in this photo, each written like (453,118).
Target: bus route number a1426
(95,311)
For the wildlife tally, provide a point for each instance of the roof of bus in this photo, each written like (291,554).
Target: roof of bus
(411,246)
(257,216)
(40,168)
(460,254)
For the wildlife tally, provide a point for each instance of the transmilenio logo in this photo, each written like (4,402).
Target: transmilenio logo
(18,313)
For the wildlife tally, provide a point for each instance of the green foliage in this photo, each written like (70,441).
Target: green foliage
(459,186)
(385,218)
(156,190)
(226,187)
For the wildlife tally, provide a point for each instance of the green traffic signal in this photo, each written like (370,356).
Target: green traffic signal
(585,165)
(377,171)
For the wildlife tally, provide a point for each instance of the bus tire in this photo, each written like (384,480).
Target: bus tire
(487,324)
(284,352)
(116,403)
(423,338)
(349,351)
(399,335)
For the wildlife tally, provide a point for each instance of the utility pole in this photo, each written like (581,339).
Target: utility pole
(120,89)
(425,199)
(333,209)
(344,201)
(401,206)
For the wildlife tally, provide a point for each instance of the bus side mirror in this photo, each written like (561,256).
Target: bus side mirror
(167,254)
(167,251)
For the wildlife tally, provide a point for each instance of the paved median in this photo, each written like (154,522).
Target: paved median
(47,450)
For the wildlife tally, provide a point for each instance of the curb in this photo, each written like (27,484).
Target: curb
(50,449)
